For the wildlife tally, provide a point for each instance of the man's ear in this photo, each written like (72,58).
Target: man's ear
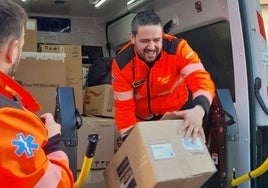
(12,50)
(132,38)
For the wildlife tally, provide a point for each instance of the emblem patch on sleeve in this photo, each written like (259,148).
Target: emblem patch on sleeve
(25,145)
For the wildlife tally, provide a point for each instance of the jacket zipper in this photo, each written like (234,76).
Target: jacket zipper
(148,92)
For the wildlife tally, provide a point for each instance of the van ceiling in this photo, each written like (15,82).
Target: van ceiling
(109,10)
(75,8)
(83,8)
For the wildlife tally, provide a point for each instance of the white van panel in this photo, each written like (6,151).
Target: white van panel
(187,15)
(118,32)
(241,86)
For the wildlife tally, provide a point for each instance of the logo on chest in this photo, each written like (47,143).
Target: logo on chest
(163,80)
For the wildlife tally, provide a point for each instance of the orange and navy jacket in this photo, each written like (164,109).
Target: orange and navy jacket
(27,157)
(176,80)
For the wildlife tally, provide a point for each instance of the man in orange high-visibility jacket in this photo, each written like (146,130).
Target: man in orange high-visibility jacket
(31,152)
(156,73)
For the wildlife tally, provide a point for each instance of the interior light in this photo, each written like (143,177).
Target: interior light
(99,3)
(133,4)
(130,2)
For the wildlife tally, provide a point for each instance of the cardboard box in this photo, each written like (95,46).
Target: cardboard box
(30,37)
(73,58)
(99,100)
(105,148)
(41,74)
(154,155)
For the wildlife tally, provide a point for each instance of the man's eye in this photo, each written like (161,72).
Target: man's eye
(144,41)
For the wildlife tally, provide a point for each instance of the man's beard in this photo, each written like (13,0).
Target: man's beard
(12,71)
(151,62)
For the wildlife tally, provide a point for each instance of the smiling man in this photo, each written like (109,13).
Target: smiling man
(156,73)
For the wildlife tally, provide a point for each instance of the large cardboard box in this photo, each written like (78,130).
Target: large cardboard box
(41,74)
(155,155)
(30,37)
(105,127)
(99,100)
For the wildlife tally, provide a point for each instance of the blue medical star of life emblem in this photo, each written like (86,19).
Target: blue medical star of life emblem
(25,145)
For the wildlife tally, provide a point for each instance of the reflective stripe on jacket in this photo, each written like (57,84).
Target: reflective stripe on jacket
(24,161)
(142,92)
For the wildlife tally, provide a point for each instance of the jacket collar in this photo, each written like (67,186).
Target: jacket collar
(11,89)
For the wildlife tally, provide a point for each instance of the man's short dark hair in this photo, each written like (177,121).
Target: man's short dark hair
(144,18)
(12,19)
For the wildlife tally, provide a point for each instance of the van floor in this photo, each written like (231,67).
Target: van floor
(95,180)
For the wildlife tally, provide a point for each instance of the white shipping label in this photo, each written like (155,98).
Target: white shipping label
(30,25)
(162,151)
(189,144)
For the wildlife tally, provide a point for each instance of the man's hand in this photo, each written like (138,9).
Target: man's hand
(193,120)
(53,128)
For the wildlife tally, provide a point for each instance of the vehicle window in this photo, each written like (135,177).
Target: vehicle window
(213,44)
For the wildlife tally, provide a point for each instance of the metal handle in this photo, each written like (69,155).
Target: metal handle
(257,87)
(88,159)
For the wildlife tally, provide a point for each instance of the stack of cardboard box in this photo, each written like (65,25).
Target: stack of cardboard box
(51,67)
(98,119)
(74,72)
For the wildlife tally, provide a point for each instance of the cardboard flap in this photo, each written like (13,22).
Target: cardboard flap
(169,116)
